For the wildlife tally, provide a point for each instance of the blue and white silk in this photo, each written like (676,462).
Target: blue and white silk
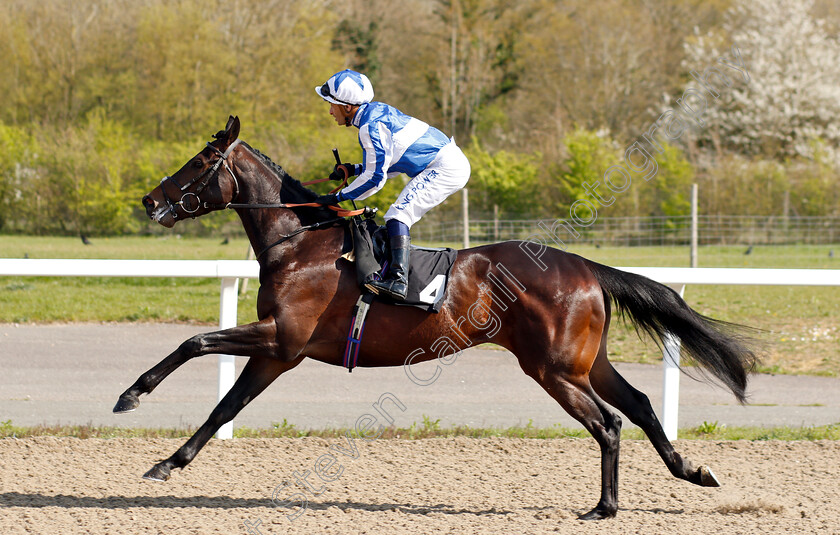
(395,143)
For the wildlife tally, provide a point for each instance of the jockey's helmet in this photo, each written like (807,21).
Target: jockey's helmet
(347,87)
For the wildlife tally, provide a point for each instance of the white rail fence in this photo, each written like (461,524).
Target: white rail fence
(230,271)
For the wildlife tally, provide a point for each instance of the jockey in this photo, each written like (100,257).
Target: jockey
(393,143)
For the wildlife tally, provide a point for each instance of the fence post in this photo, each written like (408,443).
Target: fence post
(694,225)
(495,223)
(465,205)
(227,363)
(671,381)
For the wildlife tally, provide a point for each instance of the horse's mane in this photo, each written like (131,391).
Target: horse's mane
(299,192)
(292,191)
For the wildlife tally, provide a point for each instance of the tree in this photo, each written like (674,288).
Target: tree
(504,179)
(361,44)
(792,95)
(601,64)
(667,193)
(480,63)
(18,161)
(587,156)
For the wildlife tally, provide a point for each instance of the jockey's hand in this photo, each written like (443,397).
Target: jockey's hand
(330,198)
(342,171)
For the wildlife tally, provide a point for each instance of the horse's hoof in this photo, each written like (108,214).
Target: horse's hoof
(126,403)
(160,472)
(599,513)
(707,477)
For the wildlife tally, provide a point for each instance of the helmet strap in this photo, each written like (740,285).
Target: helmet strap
(349,113)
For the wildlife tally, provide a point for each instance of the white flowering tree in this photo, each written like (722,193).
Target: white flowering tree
(791,103)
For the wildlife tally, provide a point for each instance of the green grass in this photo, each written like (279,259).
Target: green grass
(430,429)
(761,256)
(801,324)
(715,431)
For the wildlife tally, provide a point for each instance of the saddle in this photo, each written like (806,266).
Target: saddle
(428,275)
(428,272)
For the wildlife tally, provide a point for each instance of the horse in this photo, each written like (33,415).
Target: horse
(556,327)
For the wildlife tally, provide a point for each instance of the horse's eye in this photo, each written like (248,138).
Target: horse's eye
(198,164)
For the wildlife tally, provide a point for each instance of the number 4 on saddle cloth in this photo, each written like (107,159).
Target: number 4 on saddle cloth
(428,275)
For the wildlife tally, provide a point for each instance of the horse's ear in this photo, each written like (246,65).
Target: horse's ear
(231,131)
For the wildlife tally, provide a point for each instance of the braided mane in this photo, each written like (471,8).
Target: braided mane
(298,192)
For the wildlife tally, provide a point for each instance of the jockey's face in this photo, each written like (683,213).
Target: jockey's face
(343,113)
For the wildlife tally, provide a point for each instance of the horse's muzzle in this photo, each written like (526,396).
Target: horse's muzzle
(149,204)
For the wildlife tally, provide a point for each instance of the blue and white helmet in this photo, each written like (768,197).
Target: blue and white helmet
(347,87)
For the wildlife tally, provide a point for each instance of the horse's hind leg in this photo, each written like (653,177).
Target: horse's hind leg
(616,391)
(576,396)
(255,377)
(254,339)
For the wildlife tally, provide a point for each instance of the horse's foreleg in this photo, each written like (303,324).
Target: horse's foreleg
(616,391)
(257,375)
(255,339)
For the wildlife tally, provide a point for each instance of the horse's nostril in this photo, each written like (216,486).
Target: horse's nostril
(148,204)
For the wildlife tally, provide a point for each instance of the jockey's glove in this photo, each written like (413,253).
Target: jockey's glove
(343,170)
(330,198)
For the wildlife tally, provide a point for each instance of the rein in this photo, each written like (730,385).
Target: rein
(191,206)
(300,230)
(340,212)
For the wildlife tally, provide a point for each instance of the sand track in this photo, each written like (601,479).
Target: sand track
(64,485)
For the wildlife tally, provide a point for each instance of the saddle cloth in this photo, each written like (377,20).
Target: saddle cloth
(428,273)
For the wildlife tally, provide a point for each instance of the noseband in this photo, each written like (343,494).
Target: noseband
(191,207)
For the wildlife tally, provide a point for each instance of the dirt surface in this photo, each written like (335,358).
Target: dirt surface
(461,485)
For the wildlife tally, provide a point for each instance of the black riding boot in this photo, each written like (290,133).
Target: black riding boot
(395,283)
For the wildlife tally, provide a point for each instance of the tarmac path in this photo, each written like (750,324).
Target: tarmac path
(73,374)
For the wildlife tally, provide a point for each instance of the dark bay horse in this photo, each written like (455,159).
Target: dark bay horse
(553,315)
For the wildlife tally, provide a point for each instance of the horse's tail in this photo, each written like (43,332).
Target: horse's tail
(718,346)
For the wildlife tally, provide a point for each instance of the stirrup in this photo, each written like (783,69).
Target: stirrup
(370,280)
(387,287)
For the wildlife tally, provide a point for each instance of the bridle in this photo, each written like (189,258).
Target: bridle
(192,206)
(203,180)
